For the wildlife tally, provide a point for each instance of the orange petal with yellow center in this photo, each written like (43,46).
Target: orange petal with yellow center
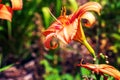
(64,30)
(5,12)
(17,4)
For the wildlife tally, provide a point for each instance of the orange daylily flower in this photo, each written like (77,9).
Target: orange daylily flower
(68,27)
(17,4)
(102,69)
(6,11)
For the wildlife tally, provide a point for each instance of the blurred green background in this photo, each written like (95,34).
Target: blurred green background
(22,41)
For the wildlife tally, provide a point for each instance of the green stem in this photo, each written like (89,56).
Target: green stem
(9,29)
(0,59)
(91,50)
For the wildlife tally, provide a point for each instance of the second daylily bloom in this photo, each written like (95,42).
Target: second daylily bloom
(6,11)
(102,69)
(17,4)
(68,27)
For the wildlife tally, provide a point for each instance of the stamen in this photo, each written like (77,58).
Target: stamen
(107,61)
(63,11)
(54,17)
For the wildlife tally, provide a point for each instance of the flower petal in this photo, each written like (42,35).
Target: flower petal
(90,19)
(102,69)
(90,6)
(53,28)
(64,30)
(70,30)
(61,37)
(79,36)
(17,4)
(5,12)
(49,41)
(110,70)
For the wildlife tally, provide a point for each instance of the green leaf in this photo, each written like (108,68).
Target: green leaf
(47,65)
(50,57)
(58,7)
(1,56)
(6,67)
(1,28)
(116,36)
(74,4)
(77,77)
(46,16)
(85,71)
(67,77)
(52,77)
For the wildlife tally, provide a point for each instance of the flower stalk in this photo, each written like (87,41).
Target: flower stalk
(91,50)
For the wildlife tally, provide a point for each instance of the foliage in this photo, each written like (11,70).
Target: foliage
(18,37)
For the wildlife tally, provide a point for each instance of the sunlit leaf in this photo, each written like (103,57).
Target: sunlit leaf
(5,67)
